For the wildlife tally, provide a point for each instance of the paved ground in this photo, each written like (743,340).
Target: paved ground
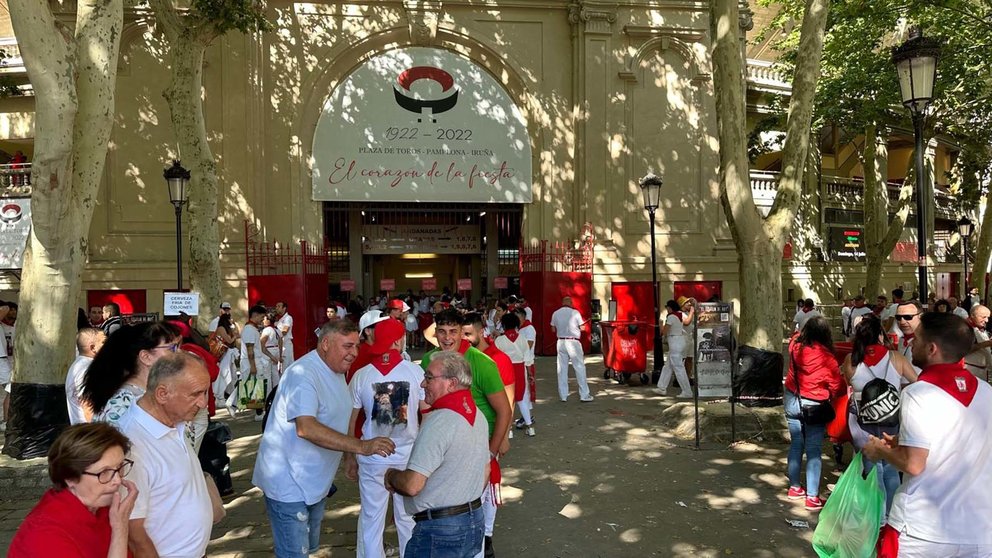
(601,479)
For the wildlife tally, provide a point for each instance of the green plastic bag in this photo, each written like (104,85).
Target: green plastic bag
(851,518)
(251,393)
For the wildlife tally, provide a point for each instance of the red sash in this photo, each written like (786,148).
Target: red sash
(954,379)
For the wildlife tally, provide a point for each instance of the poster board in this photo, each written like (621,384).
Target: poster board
(714,347)
(15,226)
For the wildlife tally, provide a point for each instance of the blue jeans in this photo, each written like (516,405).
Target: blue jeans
(295,527)
(809,437)
(457,536)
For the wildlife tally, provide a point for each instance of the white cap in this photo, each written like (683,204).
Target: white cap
(370,318)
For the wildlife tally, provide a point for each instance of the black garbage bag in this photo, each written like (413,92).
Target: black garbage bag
(213,456)
(37,416)
(758,382)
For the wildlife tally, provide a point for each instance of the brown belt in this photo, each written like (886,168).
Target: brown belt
(448,511)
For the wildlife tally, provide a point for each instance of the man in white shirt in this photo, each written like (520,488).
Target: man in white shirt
(859,311)
(888,315)
(88,342)
(567,324)
(907,318)
(979,360)
(942,448)
(251,348)
(284,323)
(805,314)
(304,438)
(845,318)
(173,513)
(955,309)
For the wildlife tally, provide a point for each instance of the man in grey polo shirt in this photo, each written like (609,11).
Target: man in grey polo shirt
(448,467)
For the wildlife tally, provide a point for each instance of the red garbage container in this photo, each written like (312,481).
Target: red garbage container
(625,351)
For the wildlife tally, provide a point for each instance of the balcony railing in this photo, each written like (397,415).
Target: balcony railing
(15,180)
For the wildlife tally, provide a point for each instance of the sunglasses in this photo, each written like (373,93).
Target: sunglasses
(905,317)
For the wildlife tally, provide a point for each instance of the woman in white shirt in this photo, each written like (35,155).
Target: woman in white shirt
(674,332)
(270,343)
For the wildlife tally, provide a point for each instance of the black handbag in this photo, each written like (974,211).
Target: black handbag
(813,412)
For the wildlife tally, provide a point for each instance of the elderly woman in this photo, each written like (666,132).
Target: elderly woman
(84,513)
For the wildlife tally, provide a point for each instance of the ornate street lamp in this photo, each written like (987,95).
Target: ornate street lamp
(965,226)
(916,64)
(177,179)
(651,190)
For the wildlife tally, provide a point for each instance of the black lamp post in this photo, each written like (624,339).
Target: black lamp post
(965,226)
(651,190)
(177,178)
(916,64)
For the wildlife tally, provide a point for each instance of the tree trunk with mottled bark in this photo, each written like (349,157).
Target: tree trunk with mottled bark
(74,84)
(983,252)
(760,241)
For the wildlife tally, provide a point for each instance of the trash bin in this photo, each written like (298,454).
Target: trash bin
(625,350)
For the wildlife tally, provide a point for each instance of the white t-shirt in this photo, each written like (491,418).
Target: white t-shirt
(567,322)
(271,335)
(856,315)
(958,311)
(287,467)
(214,324)
(73,386)
(944,503)
(803,316)
(528,313)
(675,327)
(517,350)
(172,493)
(529,332)
(342,312)
(890,313)
(250,336)
(285,323)
(391,403)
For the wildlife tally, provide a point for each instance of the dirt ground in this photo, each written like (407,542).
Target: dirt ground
(608,478)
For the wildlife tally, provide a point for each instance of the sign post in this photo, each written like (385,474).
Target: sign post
(714,351)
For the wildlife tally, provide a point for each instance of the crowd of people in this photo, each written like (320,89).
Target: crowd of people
(919,409)
(428,439)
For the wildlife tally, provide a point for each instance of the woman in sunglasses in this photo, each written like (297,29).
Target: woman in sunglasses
(119,373)
(84,514)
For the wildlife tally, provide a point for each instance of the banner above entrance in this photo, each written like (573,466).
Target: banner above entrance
(421,125)
(430,239)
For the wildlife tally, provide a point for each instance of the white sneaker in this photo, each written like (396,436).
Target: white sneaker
(586,399)
(530,431)
(509,434)
(685,395)
(259,418)
(3,426)
(231,410)
(660,391)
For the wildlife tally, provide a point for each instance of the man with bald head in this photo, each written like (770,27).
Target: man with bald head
(173,513)
(567,324)
(979,360)
(89,341)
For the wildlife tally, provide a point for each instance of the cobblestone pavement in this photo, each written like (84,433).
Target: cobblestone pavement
(601,479)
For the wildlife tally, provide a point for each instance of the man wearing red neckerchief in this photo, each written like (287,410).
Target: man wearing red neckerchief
(907,318)
(944,450)
(388,391)
(448,467)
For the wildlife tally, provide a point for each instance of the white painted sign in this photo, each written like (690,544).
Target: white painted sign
(421,125)
(434,239)
(181,303)
(15,228)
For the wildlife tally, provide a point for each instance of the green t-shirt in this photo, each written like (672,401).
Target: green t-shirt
(485,381)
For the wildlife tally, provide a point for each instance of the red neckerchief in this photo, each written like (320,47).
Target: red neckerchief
(460,402)
(463,347)
(954,379)
(385,363)
(525,324)
(511,334)
(971,323)
(907,338)
(874,354)
(679,315)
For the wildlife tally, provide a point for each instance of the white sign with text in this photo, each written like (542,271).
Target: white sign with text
(181,303)
(15,227)
(421,125)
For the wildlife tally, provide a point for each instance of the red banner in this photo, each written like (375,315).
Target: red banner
(500,283)
(464,284)
(428,284)
(387,284)
(347,285)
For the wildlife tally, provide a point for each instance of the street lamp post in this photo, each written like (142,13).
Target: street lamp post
(916,64)
(177,178)
(651,190)
(965,226)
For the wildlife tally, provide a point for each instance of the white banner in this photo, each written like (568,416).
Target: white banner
(181,303)
(421,125)
(15,227)
(433,239)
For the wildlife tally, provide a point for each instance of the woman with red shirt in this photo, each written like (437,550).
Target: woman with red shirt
(811,360)
(83,515)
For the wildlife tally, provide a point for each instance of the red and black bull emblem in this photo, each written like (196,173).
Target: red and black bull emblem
(446,102)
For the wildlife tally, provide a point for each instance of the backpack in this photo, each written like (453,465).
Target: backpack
(879,405)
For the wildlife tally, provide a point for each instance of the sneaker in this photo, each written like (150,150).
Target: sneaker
(586,399)
(509,434)
(487,548)
(685,395)
(796,493)
(814,503)
(564,400)
(3,426)
(660,391)
(259,418)
(231,410)
(519,424)
(530,431)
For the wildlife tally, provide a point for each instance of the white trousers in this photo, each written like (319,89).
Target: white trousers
(912,547)
(675,363)
(372,516)
(287,354)
(226,376)
(525,405)
(570,350)
(489,510)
